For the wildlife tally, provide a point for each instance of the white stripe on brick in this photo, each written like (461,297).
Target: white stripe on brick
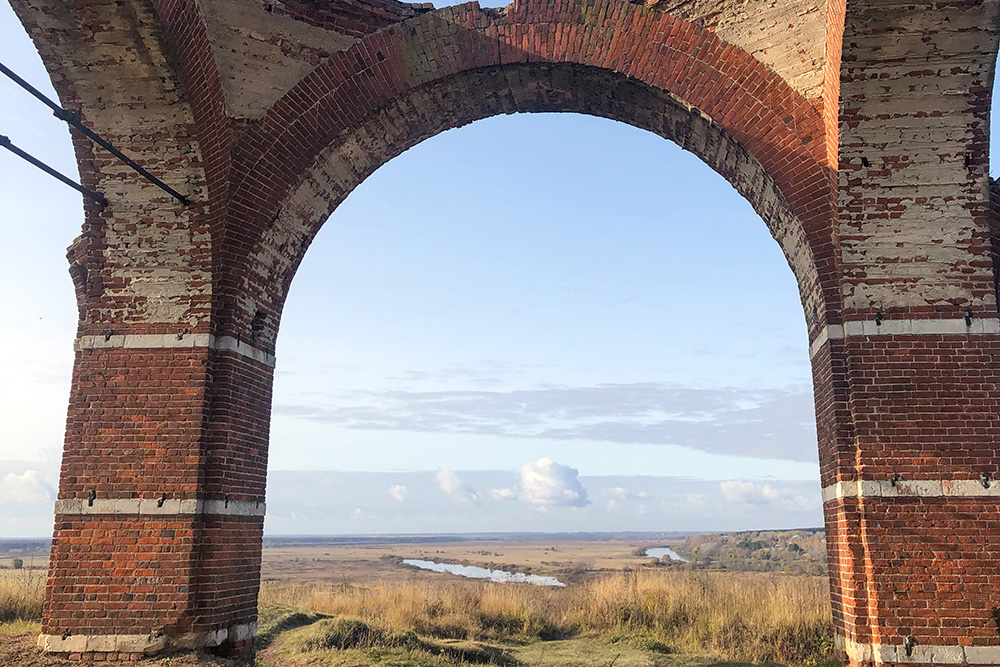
(231,344)
(175,341)
(151,643)
(922,488)
(949,327)
(832,331)
(919,654)
(152,507)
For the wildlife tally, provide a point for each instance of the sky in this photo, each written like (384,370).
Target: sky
(539,322)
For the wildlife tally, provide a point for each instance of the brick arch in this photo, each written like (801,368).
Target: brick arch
(778,131)
(523,88)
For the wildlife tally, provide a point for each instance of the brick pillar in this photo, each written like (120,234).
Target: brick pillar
(909,475)
(160,513)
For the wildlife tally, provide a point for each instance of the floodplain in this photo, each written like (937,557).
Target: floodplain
(354,602)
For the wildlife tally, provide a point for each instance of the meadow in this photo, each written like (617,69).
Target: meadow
(736,617)
(624,614)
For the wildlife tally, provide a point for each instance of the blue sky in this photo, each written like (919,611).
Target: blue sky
(552,321)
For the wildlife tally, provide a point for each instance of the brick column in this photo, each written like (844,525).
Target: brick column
(912,502)
(160,513)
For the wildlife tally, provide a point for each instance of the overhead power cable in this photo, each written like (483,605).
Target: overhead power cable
(96,196)
(73,118)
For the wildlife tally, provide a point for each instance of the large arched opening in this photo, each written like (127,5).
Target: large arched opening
(415,296)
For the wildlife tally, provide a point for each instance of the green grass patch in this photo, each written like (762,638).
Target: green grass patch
(274,620)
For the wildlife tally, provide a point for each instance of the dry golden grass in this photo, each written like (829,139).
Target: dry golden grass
(738,617)
(21,594)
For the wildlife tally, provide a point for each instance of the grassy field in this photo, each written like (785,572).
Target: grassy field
(350,605)
(756,618)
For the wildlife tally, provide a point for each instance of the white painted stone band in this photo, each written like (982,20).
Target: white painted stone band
(919,654)
(152,507)
(175,341)
(151,643)
(949,327)
(923,488)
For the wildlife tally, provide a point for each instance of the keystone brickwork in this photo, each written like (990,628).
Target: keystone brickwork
(857,130)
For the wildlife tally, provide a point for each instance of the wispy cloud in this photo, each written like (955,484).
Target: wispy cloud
(761,494)
(449,482)
(748,492)
(766,423)
(506,493)
(27,487)
(618,496)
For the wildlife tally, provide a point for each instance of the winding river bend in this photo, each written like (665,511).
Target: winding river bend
(474,572)
(660,552)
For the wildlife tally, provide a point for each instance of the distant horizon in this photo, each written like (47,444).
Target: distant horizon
(383,537)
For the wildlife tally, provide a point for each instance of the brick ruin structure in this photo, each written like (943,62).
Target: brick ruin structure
(858,131)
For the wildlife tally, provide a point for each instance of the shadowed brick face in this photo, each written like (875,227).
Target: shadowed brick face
(857,130)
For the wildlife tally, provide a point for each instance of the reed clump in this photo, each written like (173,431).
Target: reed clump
(21,595)
(742,617)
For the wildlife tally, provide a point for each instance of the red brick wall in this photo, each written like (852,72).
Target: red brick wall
(135,424)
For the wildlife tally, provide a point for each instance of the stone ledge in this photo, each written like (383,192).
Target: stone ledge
(922,488)
(146,644)
(919,654)
(175,341)
(152,507)
(949,327)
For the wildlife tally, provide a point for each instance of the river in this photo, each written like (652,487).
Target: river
(660,552)
(474,572)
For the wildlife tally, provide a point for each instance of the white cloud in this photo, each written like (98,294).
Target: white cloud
(28,487)
(693,502)
(803,503)
(398,492)
(619,495)
(545,482)
(503,494)
(748,492)
(456,488)
(615,493)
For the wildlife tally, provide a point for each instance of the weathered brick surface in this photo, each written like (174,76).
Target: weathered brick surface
(143,264)
(858,131)
(914,158)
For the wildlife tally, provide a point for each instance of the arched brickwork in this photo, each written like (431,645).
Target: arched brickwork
(519,88)
(857,130)
(755,108)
